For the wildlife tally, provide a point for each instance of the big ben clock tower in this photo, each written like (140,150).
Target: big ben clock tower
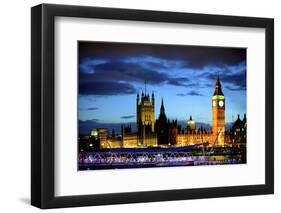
(218,113)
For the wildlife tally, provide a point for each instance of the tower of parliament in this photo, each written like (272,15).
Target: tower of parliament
(145,120)
(162,132)
(218,114)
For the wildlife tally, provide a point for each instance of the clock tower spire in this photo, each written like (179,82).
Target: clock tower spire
(218,114)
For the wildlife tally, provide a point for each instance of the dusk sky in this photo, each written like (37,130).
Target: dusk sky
(111,75)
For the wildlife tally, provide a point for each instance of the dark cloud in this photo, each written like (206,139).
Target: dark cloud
(116,78)
(94,120)
(131,72)
(231,80)
(107,68)
(92,108)
(235,81)
(235,88)
(191,93)
(182,94)
(127,116)
(89,109)
(193,56)
(156,65)
(105,88)
(118,70)
(180,81)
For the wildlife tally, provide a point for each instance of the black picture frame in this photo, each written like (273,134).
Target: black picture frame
(43,102)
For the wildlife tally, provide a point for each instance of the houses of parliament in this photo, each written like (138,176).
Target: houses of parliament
(162,132)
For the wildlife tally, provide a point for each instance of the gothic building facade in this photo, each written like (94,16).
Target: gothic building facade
(166,130)
(238,132)
(145,108)
(163,132)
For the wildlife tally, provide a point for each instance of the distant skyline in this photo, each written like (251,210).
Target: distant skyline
(111,75)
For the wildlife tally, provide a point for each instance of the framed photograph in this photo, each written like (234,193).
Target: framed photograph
(136,106)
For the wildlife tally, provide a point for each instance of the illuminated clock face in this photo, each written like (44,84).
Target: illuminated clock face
(221,103)
(214,103)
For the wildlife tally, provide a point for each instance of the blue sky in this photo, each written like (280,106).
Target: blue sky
(111,75)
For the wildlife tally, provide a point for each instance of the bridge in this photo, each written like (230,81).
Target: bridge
(141,157)
(135,158)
